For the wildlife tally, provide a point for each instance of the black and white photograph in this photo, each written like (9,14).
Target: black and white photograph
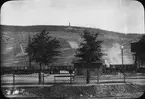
(72,49)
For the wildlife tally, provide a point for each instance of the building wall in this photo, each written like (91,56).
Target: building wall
(82,71)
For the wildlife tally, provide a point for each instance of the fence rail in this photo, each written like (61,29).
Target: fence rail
(69,78)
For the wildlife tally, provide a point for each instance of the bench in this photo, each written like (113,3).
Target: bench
(71,77)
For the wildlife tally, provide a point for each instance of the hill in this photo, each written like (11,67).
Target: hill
(15,36)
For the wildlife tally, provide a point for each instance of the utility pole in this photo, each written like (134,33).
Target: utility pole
(29,41)
(123,63)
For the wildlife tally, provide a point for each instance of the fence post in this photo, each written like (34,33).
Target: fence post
(13,77)
(88,76)
(70,72)
(54,79)
(40,72)
(43,78)
(13,81)
(70,78)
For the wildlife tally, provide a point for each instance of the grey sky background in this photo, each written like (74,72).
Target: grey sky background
(125,16)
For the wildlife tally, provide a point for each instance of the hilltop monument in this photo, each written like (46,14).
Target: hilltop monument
(69,27)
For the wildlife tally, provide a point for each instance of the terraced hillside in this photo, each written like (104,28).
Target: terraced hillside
(15,39)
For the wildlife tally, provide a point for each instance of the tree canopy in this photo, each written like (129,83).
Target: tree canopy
(90,49)
(43,48)
(142,39)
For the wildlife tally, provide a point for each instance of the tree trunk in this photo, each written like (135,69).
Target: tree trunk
(40,74)
(97,75)
(88,77)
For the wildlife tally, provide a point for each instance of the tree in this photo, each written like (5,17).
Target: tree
(42,49)
(89,51)
(142,39)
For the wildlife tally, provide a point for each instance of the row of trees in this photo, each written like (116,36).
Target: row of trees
(44,48)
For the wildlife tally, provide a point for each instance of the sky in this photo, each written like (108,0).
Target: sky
(126,16)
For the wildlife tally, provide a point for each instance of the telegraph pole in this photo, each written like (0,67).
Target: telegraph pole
(29,41)
(123,63)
